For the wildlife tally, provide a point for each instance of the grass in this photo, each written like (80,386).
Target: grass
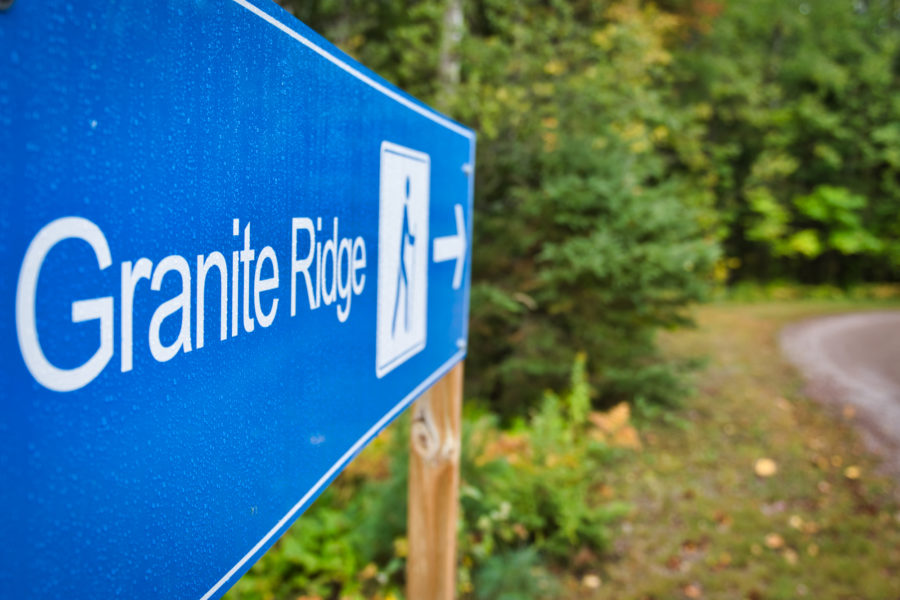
(705,525)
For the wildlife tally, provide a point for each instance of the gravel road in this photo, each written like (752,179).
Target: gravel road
(854,360)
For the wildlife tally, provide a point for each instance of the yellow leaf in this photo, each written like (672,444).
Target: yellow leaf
(550,141)
(774,541)
(602,38)
(639,147)
(765,467)
(554,67)
(627,437)
(613,419)
(852,472)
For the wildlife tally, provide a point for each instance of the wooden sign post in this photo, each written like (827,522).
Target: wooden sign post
(434,490)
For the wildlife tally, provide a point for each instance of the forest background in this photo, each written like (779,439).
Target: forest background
(633,158)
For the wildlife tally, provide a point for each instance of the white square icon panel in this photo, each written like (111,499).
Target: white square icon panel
(402,256)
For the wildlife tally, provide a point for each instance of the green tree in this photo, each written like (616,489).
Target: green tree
(590,234)
(803,113)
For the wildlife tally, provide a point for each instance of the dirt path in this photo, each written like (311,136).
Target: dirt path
(854,360)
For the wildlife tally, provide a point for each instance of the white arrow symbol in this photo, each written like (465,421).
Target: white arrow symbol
(453,247)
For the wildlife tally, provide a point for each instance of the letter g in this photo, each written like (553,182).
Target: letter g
(51,377)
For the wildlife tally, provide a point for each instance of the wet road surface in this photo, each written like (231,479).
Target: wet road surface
(854,360)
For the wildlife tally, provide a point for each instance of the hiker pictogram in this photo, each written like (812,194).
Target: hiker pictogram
(402,256)
(407,239)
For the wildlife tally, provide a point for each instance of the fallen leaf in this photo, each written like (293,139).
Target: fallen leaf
(612,420)
(765,467)
(824,487)
(509,446)
(692,590)
(849,412)
(627,437)
(790,556)
(591,581)
(774,541)
(722,518)
(795,521)
(606,491)
(852,472)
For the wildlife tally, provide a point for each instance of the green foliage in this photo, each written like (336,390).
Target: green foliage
(786,290)
(830,219)
(315,555)
(534,488)
(349,544)
(589,235)
(801,143)
(515,575)
(839,214)
(526,499)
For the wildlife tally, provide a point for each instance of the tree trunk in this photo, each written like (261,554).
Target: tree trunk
(449,64)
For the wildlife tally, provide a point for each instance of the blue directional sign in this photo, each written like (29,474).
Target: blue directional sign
(230,256)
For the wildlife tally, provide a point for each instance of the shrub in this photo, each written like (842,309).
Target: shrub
(527,500)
